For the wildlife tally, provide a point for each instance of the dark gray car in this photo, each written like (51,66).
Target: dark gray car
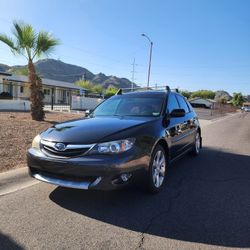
(128,136)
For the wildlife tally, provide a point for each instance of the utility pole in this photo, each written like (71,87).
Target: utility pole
(133,74)
(149,66)
(150,57)
(83,76)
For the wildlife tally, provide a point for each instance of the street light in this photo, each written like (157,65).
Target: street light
(150,56)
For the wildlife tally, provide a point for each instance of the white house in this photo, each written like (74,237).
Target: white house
(59,95)
(56,92)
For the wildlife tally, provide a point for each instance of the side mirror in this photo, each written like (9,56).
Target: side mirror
(178,113)
(87,113)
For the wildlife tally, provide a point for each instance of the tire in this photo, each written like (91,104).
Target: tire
(197,145)
(157,169)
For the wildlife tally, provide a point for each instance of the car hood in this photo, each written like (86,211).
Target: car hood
(91,130)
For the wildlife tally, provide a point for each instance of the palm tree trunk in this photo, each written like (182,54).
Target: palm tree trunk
(36,94)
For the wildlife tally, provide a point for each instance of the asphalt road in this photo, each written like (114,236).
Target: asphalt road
(205,204)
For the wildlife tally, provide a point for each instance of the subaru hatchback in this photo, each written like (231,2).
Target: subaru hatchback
(130,136)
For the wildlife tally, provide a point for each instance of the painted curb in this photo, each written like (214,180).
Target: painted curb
(15,180)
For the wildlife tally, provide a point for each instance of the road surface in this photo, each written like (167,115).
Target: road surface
(205,204)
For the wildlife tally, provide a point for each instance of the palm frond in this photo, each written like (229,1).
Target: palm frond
(25,36)
(8,41)
(45,43)
(17,31)
(28,42)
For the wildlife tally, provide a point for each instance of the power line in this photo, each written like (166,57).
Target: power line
(95,54)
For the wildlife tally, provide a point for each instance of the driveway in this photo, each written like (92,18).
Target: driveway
(205,204)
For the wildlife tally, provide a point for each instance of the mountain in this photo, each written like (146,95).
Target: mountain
(4,67)
(99,78)
(117,82)
(58,70)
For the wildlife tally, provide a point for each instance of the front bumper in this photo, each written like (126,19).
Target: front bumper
(87,172)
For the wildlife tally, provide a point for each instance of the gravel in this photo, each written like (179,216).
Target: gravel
(17,131)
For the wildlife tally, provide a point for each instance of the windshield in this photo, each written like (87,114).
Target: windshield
(130,106)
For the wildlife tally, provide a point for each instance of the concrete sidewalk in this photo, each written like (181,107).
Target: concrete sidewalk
(14,180)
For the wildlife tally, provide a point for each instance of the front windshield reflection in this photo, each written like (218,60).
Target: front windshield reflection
(130,106)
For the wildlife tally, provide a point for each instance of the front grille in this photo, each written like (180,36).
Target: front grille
(63,176)
(70,150)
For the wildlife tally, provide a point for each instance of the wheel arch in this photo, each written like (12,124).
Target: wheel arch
(199,131)
(165,146)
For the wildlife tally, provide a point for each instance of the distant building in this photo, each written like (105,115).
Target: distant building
(246,104)
(17,87)
(247,98)
(199,102)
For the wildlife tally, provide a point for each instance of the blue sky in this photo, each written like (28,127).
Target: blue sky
(198,44)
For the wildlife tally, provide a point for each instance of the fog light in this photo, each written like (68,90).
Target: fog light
(125,177)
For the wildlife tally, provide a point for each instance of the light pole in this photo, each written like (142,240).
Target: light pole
(150,56)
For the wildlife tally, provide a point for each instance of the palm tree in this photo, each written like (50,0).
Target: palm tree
(30,44)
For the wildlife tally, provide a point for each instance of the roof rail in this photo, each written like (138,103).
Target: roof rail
(165,88)
(168,88)
(162,88)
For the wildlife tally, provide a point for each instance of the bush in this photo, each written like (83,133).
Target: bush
(186,93)
(207,94)
(110,91)
(90,87)
(238,99)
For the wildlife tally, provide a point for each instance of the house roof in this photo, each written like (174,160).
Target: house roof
(5,73)
(47,82)
(199,98)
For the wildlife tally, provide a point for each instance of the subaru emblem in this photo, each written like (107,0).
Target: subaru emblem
(60,146)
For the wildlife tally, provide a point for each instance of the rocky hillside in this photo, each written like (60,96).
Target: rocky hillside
(58,70)
(4,68)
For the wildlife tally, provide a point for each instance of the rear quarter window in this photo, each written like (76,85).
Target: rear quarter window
(190,106)
(172,103)
(183,104)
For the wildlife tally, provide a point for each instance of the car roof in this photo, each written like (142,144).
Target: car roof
(176,93)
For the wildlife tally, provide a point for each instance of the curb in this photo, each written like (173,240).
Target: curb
(15,180)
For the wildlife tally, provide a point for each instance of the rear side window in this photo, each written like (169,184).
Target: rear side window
(172,103)
(183,103)
(190,106)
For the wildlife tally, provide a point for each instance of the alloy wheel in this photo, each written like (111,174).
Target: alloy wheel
(158,168)
(197,143)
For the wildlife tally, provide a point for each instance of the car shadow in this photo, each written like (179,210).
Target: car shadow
(7,243)
(206,199)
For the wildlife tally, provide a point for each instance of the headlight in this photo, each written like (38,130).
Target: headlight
(113,147)
(36,142)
